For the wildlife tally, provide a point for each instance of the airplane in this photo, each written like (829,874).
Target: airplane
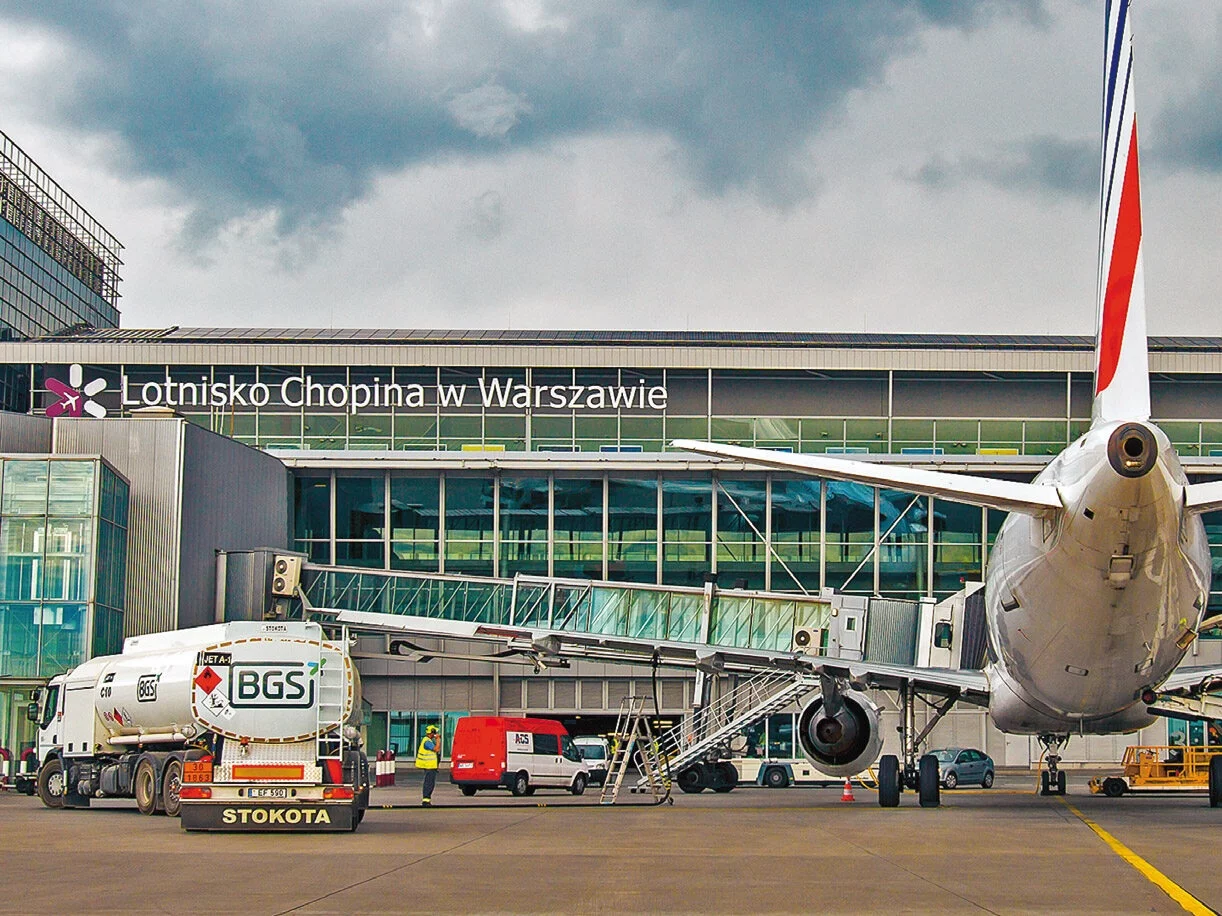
(1098,579)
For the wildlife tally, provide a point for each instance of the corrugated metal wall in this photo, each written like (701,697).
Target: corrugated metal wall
(148,452)
(891,631)
(24,434)
(233,498)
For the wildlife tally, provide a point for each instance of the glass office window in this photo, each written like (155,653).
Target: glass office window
(578,520)
(24,488)
(850,536)
(632,529)
(414,522)
(903,555)
(741,525)
(687,531)
(469,525)
(958,552)
(795,534)
(70,488)
(524,514)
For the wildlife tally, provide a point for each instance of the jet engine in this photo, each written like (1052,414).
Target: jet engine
(845,743)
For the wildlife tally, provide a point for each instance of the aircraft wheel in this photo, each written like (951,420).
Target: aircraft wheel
(927,781)
(1045,783)
(889,781)
(1060,782)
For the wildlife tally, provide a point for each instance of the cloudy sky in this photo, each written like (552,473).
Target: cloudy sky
(875,165)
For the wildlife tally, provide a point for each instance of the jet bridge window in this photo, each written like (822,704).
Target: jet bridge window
(942,634)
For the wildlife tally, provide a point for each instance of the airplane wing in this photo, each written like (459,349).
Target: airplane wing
(1203,497)
(1006,495)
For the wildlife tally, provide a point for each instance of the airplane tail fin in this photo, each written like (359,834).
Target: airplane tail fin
(1122,372)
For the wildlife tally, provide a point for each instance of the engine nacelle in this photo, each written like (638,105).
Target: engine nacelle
(845,744)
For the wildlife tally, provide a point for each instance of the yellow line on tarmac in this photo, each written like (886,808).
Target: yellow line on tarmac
(1189,903)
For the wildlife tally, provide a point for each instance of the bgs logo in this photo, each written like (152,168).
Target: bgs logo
(260,685)
(146,688)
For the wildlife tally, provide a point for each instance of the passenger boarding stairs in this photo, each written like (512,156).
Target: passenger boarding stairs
(331,702)
(707,732)
(635,744)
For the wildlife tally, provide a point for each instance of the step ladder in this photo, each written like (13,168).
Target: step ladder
(635,744)
(332,706)
(707,733)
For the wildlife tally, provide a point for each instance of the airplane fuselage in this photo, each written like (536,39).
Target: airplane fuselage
(1086,604)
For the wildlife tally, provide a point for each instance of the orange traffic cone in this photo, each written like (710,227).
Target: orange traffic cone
(847,795)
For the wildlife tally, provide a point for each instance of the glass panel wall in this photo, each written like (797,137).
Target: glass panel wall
(524,521)
(63,557)
(632,522)
(795,535)
(687,531)
(742,522)
(577,549)
(469,532)
(415,523)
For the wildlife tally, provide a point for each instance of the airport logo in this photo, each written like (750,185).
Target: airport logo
(75,400)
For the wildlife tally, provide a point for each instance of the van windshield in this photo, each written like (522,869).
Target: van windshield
(592,751)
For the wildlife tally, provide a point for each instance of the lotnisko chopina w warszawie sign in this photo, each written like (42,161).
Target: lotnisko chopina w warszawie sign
(226,392)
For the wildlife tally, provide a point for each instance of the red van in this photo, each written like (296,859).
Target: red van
(521,755)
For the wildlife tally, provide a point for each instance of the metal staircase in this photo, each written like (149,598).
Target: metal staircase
(635,744)
(708,732)
(332,700)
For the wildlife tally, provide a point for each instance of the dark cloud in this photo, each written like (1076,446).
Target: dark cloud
(1189,131)
(1037,164)
(294,107)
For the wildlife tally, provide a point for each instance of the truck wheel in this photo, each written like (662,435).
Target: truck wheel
(776,778)
(51,783)
(171,787)
(468,791)
(888,781)
(521,784)
(579,784)
(1114,787)
(144,786)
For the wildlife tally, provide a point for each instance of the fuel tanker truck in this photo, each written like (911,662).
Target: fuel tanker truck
(235,726)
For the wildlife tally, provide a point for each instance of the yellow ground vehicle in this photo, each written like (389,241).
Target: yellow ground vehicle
(1159,768)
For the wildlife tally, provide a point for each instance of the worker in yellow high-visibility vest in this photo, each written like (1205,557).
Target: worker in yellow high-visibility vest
(427,756)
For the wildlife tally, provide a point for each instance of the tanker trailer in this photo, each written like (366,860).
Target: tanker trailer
(234,726)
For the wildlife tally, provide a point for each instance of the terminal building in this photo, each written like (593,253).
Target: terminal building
(143,468)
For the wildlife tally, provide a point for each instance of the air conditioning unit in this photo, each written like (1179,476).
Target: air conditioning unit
(286,574)
(809,640)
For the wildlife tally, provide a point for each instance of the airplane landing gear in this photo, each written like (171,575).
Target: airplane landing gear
(1052,780)
(916,773)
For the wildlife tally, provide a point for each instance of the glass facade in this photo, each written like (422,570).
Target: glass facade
(63,561)
(58,266)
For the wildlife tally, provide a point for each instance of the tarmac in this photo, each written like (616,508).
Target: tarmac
(754,850)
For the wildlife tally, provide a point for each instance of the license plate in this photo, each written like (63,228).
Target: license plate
(267,792)
(465,766)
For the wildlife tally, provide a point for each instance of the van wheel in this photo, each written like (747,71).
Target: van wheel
(145,787)
(521,785)
(468,791)
(579,784)
(171,788)
(51,783)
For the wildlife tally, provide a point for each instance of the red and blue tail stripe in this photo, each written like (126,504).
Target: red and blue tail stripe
(1122,388)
